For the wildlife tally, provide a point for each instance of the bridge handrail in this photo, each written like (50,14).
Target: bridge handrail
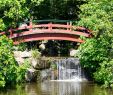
(49,26)
(49,20)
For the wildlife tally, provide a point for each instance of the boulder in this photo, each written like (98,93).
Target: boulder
(73,52)
(40,64)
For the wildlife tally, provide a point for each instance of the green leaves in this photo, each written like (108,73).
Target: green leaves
(12,11)
(96,53)
(104,74)
(10,72)
(21,71)
(7,62)
(96,15)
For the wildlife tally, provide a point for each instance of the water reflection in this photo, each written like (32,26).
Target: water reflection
(57,88)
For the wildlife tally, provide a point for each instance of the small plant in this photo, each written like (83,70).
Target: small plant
(21,70)
(54,66)
(35,54)
(21,47)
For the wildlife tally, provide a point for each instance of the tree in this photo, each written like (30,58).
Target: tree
(14,11)
(97,51)
(11,12)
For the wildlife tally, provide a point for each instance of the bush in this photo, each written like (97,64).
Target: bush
(21,71)
(92,53)
(20,47)
(104,74)
(10,72)
(8,65)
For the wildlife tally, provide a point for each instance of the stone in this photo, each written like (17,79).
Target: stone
(31,75)
(42,46)
(40,64)
(21,56)
(25,54)
(73,52)
(45,74)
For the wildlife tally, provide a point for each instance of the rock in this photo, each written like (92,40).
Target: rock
(45,74)
(42,46)
(19,60)
(40,64)
(17,53)
(31,75)
(26,54)
(21,56)
(24,25)
(73,52)
(35,63)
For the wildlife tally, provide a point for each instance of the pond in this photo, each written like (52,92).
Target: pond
(57,88)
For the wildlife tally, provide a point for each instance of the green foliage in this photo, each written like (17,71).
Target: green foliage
(96,53)
(20,47)
(8,65)
(21,71)
(54,66)
(104,74)
(14,11)
(92,53)
(97,16)
(10,72)
(35,54)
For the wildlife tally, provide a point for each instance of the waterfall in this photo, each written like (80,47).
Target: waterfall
(68,69)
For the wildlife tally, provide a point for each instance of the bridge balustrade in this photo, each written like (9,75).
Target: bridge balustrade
(56,28)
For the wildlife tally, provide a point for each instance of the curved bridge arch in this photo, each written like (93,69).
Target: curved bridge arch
(49,31)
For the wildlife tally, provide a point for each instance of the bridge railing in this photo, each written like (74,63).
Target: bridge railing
(49,27)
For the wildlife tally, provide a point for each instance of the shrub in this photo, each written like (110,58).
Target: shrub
(10,71)
(21,71)
(8,65)
(104,74)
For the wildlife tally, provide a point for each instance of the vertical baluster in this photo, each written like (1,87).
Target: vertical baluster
(30,25)
(50,26)
(67,26)
(11,32)
(70,26)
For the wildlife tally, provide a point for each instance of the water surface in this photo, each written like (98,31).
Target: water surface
(57,88)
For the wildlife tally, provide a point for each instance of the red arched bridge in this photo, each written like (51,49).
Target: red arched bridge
(47,30)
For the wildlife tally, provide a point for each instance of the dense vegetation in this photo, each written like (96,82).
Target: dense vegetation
(10,71)
(96,54)
(14,11)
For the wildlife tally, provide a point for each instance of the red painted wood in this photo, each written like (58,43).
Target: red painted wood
(48,32)
(38,31)
(49,36)
(2,33)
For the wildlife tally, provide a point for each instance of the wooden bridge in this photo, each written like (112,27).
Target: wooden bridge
(47,30)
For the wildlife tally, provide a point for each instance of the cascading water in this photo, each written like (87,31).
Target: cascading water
(68,69)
